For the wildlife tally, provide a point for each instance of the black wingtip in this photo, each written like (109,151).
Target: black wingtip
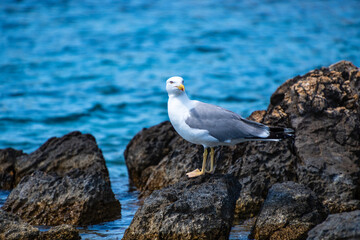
(281,133)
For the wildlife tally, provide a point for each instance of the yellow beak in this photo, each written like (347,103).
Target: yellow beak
(181,87)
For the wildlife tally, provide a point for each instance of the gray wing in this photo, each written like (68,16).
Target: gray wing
(223,124)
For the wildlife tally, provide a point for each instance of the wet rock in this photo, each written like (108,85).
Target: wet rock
(77,199)
(289,212)
(338,226)
(7,167)
(65,231)
(12,227)
(64,181)
(324,109)
(200,208)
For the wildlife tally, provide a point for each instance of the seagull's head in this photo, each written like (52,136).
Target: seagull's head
(175,86)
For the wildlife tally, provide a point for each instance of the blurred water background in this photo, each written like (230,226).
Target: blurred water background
(100,67)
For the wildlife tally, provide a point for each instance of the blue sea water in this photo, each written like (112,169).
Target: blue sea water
(100,67)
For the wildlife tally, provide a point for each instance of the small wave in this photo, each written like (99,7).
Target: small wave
(11,68)
(208,49)
(84,77)
(16,94)
(239,99)
(68,118)
(125,105)
(98,107)
(230,98)
(108,62)
(14,25)
(222,76)
(109,90)
(15,120)
(226,34)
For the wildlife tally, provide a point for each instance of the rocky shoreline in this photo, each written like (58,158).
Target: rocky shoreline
(291,186)
(307,187)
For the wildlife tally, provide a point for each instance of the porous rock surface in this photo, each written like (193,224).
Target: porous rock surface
(288,213)
(338,226)
(200,208)
(64,181)
(322,107)
(63,155)
(48,199)
(7,167)
(13,228)
(64,231)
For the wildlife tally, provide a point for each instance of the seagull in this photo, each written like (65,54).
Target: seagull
(210,125)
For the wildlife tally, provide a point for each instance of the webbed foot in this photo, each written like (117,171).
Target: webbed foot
(195,173)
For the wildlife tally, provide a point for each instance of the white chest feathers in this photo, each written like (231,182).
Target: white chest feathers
(179,110)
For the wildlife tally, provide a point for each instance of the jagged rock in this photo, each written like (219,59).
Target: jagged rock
(64,181)
(13,228)
(48,199)
(324,109)
(338,226)
(289,212)
(65,231)
(200,208)
(63,155)
(7,167)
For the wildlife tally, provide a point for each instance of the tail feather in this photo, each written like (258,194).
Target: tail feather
(281,133)
(276,134)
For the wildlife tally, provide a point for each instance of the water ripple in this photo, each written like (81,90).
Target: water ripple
(100,66)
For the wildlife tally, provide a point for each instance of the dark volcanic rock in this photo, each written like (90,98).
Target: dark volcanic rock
(63,155)
(200,208)
(12,227)
(261,165)
(289,212)
(71,184)
(322,106)
(47,199)
(338,226)
(139,157)
(65,231)
(7,167)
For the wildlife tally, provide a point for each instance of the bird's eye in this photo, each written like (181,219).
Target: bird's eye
(171,82)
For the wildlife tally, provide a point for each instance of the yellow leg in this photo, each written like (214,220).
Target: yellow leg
(211,161)
(197,172)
